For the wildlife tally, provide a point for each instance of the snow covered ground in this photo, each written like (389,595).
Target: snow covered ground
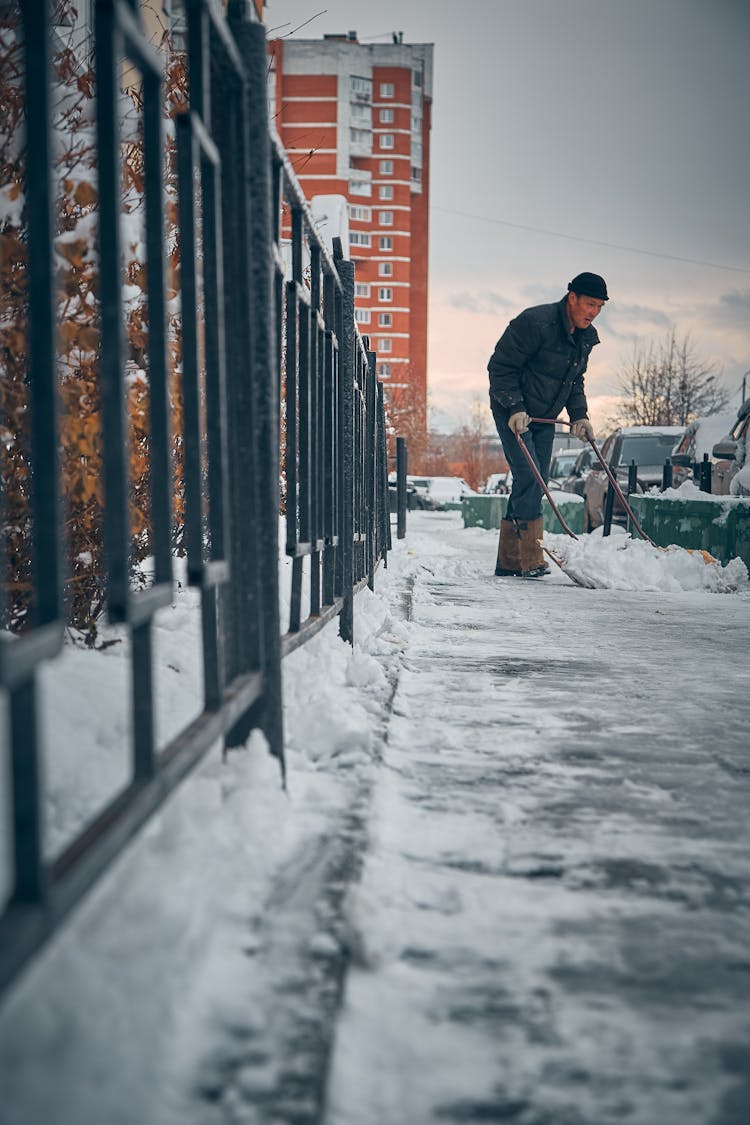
(508,881)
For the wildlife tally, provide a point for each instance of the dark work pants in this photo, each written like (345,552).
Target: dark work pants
(525,501)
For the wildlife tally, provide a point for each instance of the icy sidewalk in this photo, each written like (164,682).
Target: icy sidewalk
(519,895)
(553,921)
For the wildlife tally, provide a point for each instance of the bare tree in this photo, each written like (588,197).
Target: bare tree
(470,448)
(668,384)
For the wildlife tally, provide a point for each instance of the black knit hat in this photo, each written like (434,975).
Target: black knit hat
(589,285)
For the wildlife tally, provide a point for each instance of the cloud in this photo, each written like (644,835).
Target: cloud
(631,322)
(483,303)
(734,307)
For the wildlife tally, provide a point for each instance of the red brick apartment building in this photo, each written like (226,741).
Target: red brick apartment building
(355,120)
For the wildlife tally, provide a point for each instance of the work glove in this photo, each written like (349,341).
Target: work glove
(583,430)
(519,422)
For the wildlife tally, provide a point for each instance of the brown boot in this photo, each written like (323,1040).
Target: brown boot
(532,560)
(508,550)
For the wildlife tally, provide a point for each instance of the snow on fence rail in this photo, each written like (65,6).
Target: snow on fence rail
(275,384)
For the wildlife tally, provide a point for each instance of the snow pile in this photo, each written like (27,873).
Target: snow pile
(690,491)
(621,563)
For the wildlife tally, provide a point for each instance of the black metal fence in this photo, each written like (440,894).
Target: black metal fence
(278,386)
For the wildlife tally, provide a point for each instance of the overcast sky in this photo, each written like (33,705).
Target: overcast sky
(617,130)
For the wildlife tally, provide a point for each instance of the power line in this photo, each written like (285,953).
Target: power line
(590,241)
(299,27)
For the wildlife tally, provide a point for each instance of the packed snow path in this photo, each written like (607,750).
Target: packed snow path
(516,888)
(554,914)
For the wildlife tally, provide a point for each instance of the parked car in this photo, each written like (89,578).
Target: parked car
(648,446)
(700,438)
(498,482)
(732,453)
(422,498)
(417,493)
(560,466)
(576,478)
(448,490)
(433,493)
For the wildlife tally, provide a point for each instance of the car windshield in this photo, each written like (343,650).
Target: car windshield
(562,464)
(646,449)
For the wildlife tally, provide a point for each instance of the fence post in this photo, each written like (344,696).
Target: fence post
(609,501)
(348,344)
(705,483)
(400,488)
(632,478)
(384,505)
(666,476)
(263,374)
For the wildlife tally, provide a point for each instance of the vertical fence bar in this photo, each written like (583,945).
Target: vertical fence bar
(239,601)
(401,470)
(292,393)
(41,328)
(371,454)
(190,378)
(315,453)
(26,765)
(160,475)
(348,359)
(116,521)
(251,39)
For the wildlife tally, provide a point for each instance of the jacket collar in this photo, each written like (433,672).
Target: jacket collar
(590,334)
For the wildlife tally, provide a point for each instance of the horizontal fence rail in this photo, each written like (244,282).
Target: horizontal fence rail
(281,413)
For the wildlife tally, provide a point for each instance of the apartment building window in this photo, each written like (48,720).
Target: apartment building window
(386,191)
(385,320)
(361,289)
(386,218)
(386,167)
(360,187)
(361,115)
(360,136)
(360,214)
(387,116)
(417,76)
(384,370)
(385,294)
(385,345)
(360,238)
(361,87)
(387,140)
(385,269)
(362,316)
(387,90)
(386,242)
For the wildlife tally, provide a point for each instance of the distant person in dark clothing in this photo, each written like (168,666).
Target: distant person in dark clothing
(536,370)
